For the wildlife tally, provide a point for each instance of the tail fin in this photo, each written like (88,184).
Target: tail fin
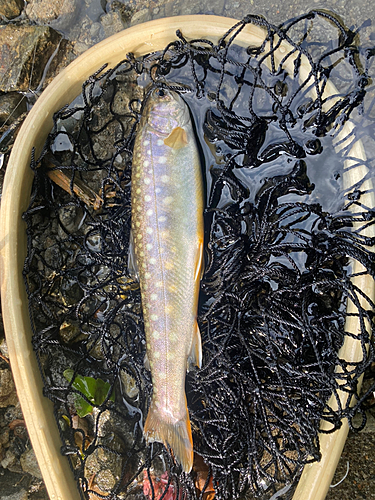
(176,435)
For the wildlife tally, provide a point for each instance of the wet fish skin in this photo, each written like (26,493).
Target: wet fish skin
(167,231)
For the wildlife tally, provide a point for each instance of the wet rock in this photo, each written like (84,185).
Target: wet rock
(64,56)
(13,413)
(69,332)
(19,495)
(4,348)
(106,465)
(112,23)
(4,437)
(24,52)
(12,105)
(11,461)
(29,463)
(125,11)
(10,8)
(70,217)
(218,7)
(105,480)
(129,384)
(53,257)
(141,16)
(80,48)
(59,13)
(8,395)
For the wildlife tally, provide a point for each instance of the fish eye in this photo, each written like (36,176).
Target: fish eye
(161,93)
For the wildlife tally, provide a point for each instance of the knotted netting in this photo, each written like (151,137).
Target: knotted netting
(287,233)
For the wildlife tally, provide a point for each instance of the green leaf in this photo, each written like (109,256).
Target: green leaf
(95,390)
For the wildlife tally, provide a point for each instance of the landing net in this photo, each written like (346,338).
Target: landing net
(284,234)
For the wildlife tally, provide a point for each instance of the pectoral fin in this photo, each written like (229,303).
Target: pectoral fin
(132,261)
(195,356)
(177,139)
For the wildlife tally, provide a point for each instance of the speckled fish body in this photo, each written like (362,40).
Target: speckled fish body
(167,231)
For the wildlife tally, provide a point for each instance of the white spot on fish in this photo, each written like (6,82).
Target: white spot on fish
(147,197)
(156,356)
(144,266)
(149,246)
(154,317)
(145,143)
(159,284)
(157,190)
(138,190)
(139,236)
(149,151)
(148,276)
(149,212)
(146,163)
(137,223)
(162,218)
(139,155)
(156,335)
(138,208)
(160,142)
(149,230)
(167,200)
(147,180)
(162,160)
(154,296)
(164,178)
(152,260)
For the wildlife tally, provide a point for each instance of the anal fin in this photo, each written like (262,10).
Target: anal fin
(132,260)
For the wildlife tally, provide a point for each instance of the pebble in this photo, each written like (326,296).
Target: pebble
(19,495)
(11,8)
(80,47)
(59,12)
(141,16)
(4,348)
(29,463)
(112,23)
(53,257)
(95,29)
(8,395)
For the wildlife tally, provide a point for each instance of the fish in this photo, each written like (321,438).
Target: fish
(167,240)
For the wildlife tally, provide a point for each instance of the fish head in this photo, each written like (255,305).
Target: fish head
(166,111)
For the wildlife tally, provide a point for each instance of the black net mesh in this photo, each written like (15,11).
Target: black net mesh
(283,232)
